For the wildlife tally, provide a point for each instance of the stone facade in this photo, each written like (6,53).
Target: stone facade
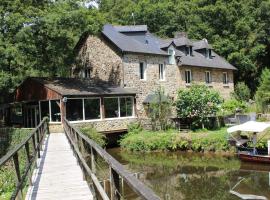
(108,125)
(109,65)
(101,58)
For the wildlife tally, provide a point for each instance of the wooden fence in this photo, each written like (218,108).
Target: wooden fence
(35,140)
(81,145)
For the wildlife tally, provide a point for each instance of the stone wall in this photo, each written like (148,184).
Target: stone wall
(103,61)
(108,124)
(174,78)
(152,82)
(198,77)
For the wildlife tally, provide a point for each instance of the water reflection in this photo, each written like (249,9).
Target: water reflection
(178,175)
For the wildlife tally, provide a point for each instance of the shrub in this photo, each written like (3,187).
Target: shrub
(263,93)
(172,140)
(231,105)
(241,92)
(198,103)
(134,128)
(159,110)
(92,133)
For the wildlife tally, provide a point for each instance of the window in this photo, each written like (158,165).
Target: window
(126,106)
(161,71)
(74,109)
(188,50)
(92,109)
(85,73)
(225,78)
(44,109)
(208,78)
(188,76)
(55,111)
(111,107)
(118,107)
(171,56)
(208,53)
(142,71)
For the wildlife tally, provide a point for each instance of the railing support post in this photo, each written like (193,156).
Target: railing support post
(18,174)
(28,161)
(115,185)
(93,164)
(37,144)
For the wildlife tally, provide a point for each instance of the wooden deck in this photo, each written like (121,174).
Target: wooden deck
(58,175)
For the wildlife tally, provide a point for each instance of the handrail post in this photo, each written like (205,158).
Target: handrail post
(28,160)
(115,184)
(18,174)
(93,164)
(37,143)
(35,148)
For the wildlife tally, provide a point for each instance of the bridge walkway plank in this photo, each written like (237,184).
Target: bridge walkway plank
(58,175)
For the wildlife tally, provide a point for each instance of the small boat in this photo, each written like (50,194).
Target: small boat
(250,154)
(246,156)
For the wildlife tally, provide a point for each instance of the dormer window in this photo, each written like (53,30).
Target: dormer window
(171,53)
(208,53)
(188,50)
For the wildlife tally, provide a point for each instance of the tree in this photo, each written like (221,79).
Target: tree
(38,38)
(159,110)
(263,93)
(241,92)
(198,103)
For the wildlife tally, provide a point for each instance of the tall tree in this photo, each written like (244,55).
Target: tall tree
(37,39)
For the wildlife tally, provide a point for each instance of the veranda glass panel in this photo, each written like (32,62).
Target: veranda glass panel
(55,111)
(111,107)
(92,109)
(44,105)
(74,109)
(126,106)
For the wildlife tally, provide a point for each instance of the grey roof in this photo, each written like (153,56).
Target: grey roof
(181,41)
(202,44)
(137,28)
(197,59)
(154,98)
(130,44)
(82,87)
(137,39)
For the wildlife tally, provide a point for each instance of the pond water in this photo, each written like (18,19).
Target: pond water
(195,176)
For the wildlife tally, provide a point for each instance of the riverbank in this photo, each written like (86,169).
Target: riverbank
(172,140)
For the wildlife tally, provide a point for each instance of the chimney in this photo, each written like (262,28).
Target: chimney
(180,34)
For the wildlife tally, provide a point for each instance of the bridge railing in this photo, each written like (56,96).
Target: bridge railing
(80,145)
(29,148)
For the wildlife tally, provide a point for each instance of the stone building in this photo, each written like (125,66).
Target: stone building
(132,57)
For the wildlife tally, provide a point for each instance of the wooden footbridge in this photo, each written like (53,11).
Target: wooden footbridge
(64,166)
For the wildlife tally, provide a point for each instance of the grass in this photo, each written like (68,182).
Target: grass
(11,138)
(172,140)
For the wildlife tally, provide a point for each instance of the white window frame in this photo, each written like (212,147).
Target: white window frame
(226,82)
(190,78)
(161,71)
(171,54)
(210,77)
(83,110)
(144,71)
(119,114)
